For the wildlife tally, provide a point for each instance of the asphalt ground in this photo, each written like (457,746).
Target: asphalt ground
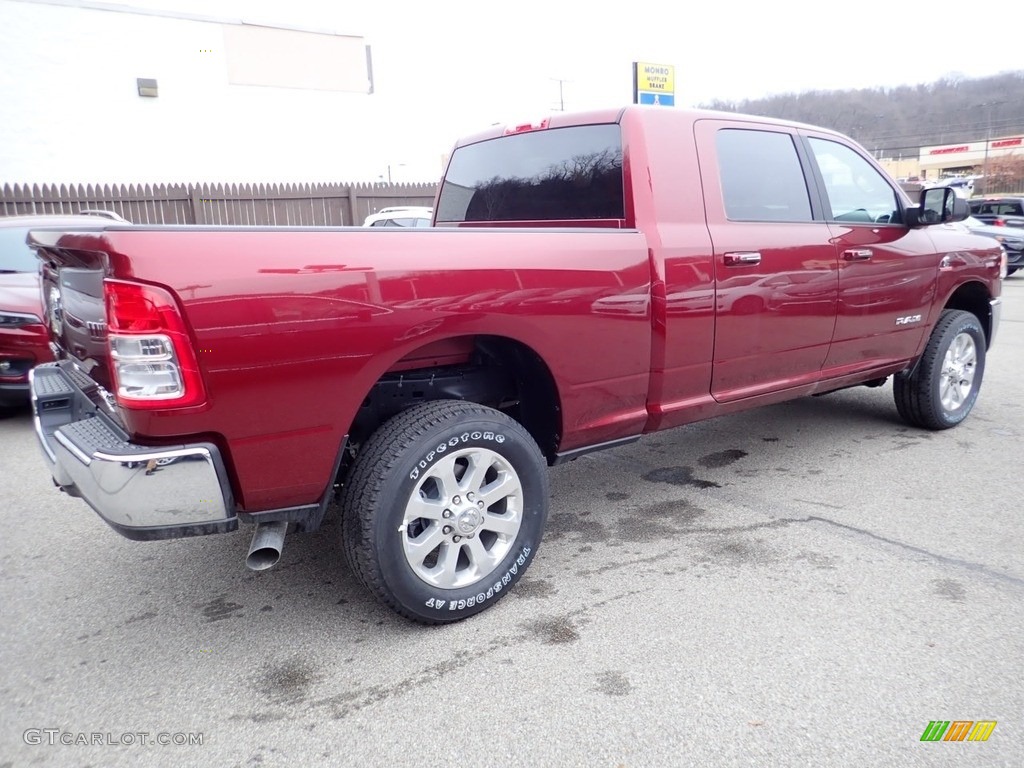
(809,584)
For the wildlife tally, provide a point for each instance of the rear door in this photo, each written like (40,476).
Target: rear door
(887,271)
(774,261)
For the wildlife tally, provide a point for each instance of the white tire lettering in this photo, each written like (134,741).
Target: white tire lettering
(488,435)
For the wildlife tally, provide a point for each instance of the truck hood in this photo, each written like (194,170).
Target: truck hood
(19,292)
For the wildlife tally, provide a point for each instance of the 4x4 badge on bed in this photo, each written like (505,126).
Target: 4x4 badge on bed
(908,320)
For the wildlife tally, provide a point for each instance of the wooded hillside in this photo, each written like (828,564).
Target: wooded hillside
(900,120)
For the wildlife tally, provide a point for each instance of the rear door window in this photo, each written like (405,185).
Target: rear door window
(559,174)
(762,179)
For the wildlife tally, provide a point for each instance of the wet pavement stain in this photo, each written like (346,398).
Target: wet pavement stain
(532,589)
(562,523)
(556,631)
(678,476)
(141,617)
(288,681)
(220,609)
(613,684)
(722,458)
(664,520)
(732,551)
(951,590)
(638,529)
(616,496)
(680,511)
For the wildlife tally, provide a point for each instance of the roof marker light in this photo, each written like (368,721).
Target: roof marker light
(525,127)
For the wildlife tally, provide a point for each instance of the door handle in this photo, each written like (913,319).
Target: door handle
(742,259)
(857,254)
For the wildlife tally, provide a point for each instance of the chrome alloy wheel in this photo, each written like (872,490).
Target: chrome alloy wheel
(957,374)
(462,518)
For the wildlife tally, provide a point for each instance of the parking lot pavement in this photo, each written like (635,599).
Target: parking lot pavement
(808,584)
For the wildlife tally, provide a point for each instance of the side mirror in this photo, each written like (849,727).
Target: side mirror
(938,205)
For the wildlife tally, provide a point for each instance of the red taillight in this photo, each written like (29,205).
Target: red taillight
(999,223)
(152,359)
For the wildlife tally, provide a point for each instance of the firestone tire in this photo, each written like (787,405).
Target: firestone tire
(943,387)
(444,510)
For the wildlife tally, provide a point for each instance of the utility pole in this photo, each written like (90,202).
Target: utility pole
(561,93)
(988,137)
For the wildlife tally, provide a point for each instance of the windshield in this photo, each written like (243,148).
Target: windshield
(15,255)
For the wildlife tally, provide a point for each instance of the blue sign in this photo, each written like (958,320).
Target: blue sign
(662,99)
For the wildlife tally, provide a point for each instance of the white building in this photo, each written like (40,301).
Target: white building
(966,157)
(104,92)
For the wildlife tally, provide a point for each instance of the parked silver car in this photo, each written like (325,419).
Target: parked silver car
(1012,239)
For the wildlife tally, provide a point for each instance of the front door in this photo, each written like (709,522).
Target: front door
(886,270)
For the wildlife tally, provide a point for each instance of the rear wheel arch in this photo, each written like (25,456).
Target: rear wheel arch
(496,371)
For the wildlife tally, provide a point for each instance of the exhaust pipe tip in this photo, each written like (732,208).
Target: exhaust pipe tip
(266,546)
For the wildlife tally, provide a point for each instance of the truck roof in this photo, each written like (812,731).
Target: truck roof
(618,115)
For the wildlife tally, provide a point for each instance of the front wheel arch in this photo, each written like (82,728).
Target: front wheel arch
(941,389)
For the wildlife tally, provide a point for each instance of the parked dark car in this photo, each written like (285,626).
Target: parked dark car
(999,211)
(1012,241)
(23,339)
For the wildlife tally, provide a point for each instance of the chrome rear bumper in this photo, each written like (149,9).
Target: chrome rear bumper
(143,492)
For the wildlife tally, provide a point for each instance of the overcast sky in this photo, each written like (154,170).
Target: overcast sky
(461,65)
(445,68)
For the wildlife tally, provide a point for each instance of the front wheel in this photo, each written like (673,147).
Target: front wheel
(444,509)
(942,389)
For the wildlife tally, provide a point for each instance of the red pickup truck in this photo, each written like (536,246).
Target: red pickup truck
(590,278)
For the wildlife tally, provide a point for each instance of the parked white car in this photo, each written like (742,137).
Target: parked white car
(401,216)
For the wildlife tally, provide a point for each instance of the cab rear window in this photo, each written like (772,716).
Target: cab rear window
(560,174)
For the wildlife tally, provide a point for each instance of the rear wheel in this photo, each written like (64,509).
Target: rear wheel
(942,389)
(444,509)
